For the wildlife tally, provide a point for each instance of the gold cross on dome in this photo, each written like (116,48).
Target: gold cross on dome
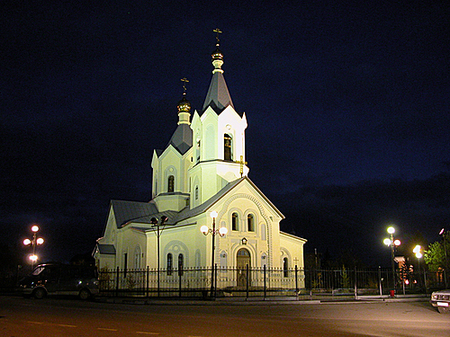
(242,163)
(217,31)
(184,80)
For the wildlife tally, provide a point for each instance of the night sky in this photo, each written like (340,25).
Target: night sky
(347,105)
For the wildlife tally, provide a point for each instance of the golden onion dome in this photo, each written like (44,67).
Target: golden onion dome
(217,54)
(184,105)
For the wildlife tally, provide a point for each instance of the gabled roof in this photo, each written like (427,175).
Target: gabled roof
(137,212)
(142,212)
(187,213)
(106,249)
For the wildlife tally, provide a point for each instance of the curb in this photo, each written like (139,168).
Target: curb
(257,301)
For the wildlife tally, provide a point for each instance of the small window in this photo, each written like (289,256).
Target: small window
(180,264)
(251,223)
(170,184)
(264,260)
(234,222)
(285,267)
(223,260)
(196,192)
(198,150)
(137,258)
(227,147)
(169,264)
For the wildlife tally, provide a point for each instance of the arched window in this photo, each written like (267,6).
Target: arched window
(234,222)
(243,252)
(180,264)
(285,267)
(170,184)
(169,264)
(137,257)
(250,223)
(197,258)
(227,155)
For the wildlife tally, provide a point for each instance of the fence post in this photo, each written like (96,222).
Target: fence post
(215,280)
(117,282)
(247,280)
(356,285)
(265,285)
(148,276)
(296,281)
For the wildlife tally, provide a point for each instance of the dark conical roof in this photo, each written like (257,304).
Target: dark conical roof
(218,95)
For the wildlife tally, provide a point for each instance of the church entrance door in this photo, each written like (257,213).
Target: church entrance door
(243,260)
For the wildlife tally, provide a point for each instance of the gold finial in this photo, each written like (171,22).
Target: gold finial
(184,80)
(217,31)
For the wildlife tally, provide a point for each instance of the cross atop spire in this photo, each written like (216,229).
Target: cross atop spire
(184,80)
(217,31)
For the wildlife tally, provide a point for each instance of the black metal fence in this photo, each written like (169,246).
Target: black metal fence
(264,282)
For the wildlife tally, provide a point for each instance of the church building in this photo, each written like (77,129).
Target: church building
(204,206)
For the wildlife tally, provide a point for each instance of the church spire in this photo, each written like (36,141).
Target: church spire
(218,96)
(217,56)
(182,137)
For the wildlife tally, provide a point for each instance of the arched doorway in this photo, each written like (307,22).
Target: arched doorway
(242,261)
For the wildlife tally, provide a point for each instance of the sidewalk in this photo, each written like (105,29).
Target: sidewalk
(262,301)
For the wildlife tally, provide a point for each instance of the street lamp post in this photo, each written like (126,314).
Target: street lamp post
(213,231)
(155,223)
(392,243)
(418,252)
(444,233)
(33,242)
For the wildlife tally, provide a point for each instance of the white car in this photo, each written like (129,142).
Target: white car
(441,300)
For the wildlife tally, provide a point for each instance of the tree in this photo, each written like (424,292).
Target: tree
(435,256)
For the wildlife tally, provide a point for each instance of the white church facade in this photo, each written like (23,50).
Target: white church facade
(200,179)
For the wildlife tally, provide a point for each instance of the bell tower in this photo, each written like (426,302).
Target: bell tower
(218,138)
(169,182)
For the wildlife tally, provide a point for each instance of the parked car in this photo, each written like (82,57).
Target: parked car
(60,279)
(441,300)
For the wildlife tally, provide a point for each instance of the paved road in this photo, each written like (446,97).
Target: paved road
(70,317)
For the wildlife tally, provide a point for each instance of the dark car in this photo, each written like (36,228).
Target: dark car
(61,279)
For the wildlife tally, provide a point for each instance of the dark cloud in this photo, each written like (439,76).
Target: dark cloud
(335,218)
(344,103)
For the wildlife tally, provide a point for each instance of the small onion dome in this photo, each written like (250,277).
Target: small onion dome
(184,105)
(217,54)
